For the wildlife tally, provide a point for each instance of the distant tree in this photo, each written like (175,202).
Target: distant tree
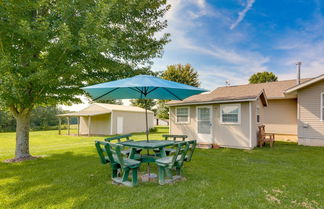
(185,74)
(44,117)
(49,49)
(162,111)
(144,103)
(263,77)
(7,122)
(112,101)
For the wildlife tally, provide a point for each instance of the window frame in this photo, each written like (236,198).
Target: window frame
(322,107)
(257,111)
(176,115)
(239,114)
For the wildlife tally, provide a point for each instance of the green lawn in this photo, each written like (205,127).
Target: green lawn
(70,176)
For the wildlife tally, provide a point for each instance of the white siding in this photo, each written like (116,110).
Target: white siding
(225,135)
(310,126)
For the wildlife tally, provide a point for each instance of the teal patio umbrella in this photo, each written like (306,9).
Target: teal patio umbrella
(142,87)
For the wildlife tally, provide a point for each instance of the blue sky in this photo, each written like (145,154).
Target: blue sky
(232,39)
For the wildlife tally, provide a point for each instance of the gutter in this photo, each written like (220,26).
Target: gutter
(213,102)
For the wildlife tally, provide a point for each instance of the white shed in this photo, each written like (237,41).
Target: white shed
(109,119)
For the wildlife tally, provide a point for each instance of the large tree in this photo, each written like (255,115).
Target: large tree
(185,74)
(263,77)
(49,49)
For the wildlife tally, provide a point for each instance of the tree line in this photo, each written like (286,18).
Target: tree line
(42,118)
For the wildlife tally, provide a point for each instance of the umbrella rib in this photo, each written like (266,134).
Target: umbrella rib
(152,90)
(106,93)
(172,94)
(135,89)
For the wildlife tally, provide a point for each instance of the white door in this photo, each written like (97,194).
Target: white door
(204,124)
(120,125)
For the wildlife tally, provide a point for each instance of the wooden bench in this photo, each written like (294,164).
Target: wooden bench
(175,137)
(264,137)
(112,153)
(166,164)
(122,138)
(168,151)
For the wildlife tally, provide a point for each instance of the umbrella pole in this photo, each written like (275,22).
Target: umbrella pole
(147,130)
(147,139)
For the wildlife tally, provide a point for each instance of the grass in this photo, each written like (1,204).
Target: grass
(70,176)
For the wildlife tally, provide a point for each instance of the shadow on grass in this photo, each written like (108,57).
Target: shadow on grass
(223,178)
(52,180)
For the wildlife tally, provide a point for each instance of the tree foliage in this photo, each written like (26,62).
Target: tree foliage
(185,74)
(144,103)
(42,118)
(263,77)
(112,101)
(49,49)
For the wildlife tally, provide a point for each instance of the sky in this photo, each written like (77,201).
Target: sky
(232,39)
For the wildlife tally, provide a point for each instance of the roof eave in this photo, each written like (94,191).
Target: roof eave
(213,102)
(305,84)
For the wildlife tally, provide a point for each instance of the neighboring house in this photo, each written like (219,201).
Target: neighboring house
(236,104)
(109,119)
(310,111)
(227,117)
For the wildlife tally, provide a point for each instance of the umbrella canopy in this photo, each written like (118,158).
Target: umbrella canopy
(142,87)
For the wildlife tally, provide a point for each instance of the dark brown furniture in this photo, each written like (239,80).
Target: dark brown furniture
(264,137)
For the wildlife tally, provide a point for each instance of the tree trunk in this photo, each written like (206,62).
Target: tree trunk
(22,134)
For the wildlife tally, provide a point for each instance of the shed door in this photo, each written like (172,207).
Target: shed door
(120,125)
(204,124)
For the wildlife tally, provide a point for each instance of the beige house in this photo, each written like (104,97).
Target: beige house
(310,111)
(109,119)
(283,106)
(224,117)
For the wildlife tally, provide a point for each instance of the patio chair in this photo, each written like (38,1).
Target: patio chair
(192,147)
(166,164)
(264,137)
(102,152)
(120,164)
(168,151)
(122,138)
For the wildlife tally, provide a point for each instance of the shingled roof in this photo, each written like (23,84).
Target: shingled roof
(248,92)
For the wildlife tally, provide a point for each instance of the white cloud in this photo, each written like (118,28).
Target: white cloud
(242,14)
(183,23)
(303,45)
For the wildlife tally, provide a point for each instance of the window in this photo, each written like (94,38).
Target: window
(258,114)
(230,113)
(322,106)
(182,114)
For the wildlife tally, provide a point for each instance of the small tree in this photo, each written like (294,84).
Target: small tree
(49,49)
(143,103)
(112,101)
(263,77)
(185,74)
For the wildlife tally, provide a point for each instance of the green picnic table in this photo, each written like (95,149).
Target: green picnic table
(149,145)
